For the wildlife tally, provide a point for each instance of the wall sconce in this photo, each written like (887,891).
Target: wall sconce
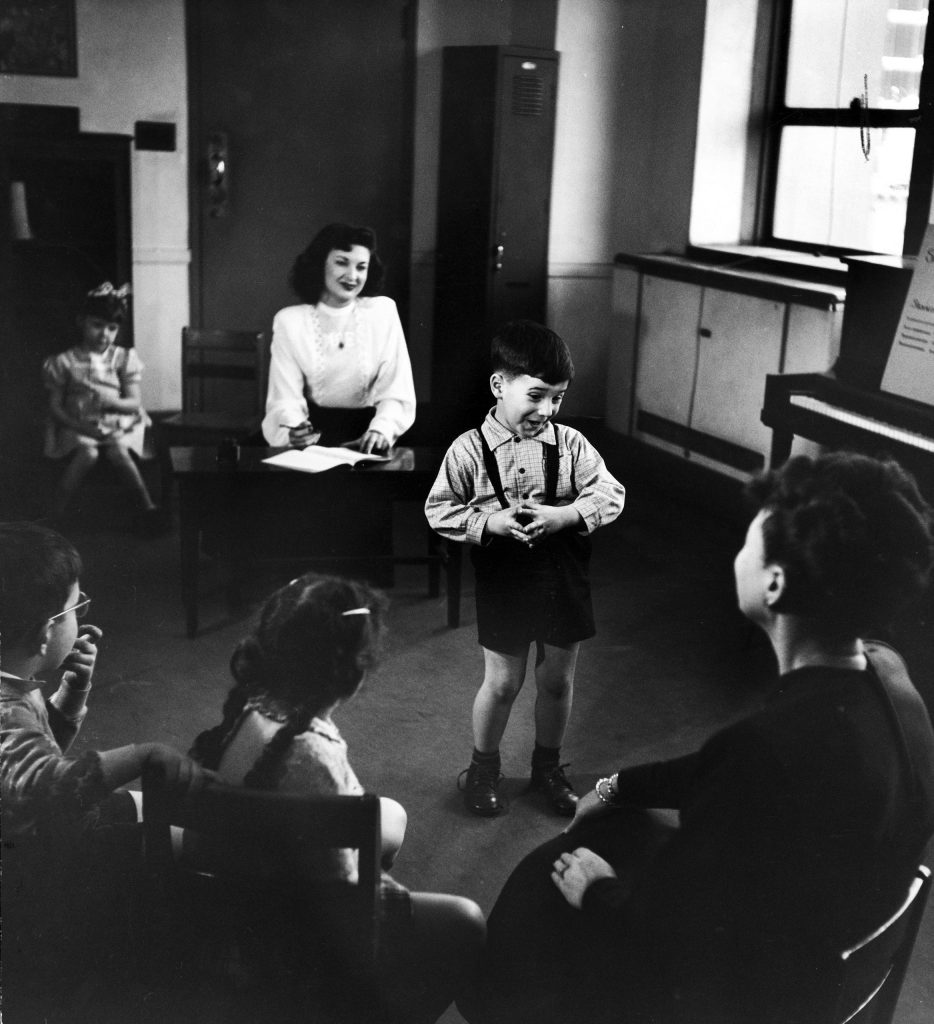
(218,175)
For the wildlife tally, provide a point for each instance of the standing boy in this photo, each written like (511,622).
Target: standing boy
(525,494)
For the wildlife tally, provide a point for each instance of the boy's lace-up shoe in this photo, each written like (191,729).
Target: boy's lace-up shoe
(479,783)
(552,781)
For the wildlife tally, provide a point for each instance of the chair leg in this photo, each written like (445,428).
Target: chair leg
(165,478)
(454,567)
(435,555)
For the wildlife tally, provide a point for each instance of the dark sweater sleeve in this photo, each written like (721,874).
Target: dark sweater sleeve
(724,794)
(659,783)
(605,900)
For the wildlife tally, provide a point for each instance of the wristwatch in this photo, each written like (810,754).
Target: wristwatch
(607,788)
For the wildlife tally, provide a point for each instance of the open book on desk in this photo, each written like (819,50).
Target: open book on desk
(316,459)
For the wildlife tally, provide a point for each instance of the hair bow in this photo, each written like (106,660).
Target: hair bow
(105,289)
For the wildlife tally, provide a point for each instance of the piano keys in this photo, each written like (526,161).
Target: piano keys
(844,408)
(822,408)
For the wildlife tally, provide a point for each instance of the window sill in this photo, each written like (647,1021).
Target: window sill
(770,259)
(744,276)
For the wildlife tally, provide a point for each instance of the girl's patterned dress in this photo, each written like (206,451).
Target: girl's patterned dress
(86,378)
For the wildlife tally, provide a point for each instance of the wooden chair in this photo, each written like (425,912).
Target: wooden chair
(244,914)
(870,974)
(224,378)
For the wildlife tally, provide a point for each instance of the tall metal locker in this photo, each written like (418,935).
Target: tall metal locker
(494,192)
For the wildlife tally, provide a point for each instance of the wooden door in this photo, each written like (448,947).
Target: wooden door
(313,100)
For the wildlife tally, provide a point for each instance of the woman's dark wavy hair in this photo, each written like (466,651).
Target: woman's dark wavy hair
(38,568)
(302,656)
(524,346)
(853,535)
(306,278)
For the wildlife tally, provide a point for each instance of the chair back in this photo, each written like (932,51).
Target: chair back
(224,371)
(242,902)
(871,972)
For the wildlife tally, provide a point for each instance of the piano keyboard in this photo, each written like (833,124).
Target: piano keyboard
(834,412)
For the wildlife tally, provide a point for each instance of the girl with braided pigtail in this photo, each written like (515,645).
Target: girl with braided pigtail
(308,654)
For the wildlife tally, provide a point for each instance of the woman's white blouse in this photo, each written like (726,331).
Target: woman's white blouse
(350,358)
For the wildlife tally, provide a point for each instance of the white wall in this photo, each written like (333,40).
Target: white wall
(723,122)
(131,67)
(624,158)
(582,239)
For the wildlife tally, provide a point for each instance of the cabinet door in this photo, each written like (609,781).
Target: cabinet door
(670,313)
(740,341)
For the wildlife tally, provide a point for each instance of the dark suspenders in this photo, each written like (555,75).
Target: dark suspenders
(551,470)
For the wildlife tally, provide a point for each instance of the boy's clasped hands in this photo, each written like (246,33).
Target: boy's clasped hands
(530,522)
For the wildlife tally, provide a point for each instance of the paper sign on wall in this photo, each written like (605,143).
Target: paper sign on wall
(909,371)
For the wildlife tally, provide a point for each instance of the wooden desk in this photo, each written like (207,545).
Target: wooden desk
(343,517)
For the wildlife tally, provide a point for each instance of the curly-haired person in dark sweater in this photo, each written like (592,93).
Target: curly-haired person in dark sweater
(308,654)
(799,827)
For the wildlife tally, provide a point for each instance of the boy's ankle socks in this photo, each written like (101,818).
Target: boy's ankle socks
(487,759)
(542,756)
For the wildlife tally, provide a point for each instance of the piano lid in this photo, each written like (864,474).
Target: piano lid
(875,294)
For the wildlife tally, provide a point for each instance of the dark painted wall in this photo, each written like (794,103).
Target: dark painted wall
(314,98)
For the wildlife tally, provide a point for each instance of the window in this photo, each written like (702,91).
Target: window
(849,140)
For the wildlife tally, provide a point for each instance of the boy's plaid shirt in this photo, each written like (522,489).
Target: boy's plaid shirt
(462,497)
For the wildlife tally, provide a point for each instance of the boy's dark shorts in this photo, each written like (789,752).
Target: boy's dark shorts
(533,594)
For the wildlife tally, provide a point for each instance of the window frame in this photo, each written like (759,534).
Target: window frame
(775,19)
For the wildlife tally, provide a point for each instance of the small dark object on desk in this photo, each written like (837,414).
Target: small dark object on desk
(228,453)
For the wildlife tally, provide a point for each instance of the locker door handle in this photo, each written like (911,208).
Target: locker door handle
(497,258)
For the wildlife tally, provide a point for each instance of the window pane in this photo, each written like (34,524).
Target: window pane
(828,194)
(835,43)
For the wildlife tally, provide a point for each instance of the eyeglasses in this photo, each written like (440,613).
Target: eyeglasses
(80,608)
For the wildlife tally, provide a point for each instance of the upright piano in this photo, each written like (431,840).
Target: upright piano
(844,408)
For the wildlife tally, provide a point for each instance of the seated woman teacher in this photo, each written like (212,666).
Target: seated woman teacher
(339,370)
(800,826)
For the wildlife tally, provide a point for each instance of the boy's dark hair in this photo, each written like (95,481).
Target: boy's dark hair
(306,278)
(303,655)
(853,534)
(523,346)
(38,568)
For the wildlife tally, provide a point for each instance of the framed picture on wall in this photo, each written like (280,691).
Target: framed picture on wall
(37,37)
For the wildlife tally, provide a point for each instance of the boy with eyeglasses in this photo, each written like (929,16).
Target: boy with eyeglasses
(40,605)
(64,826)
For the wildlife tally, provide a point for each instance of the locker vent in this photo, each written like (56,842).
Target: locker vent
(528,95)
